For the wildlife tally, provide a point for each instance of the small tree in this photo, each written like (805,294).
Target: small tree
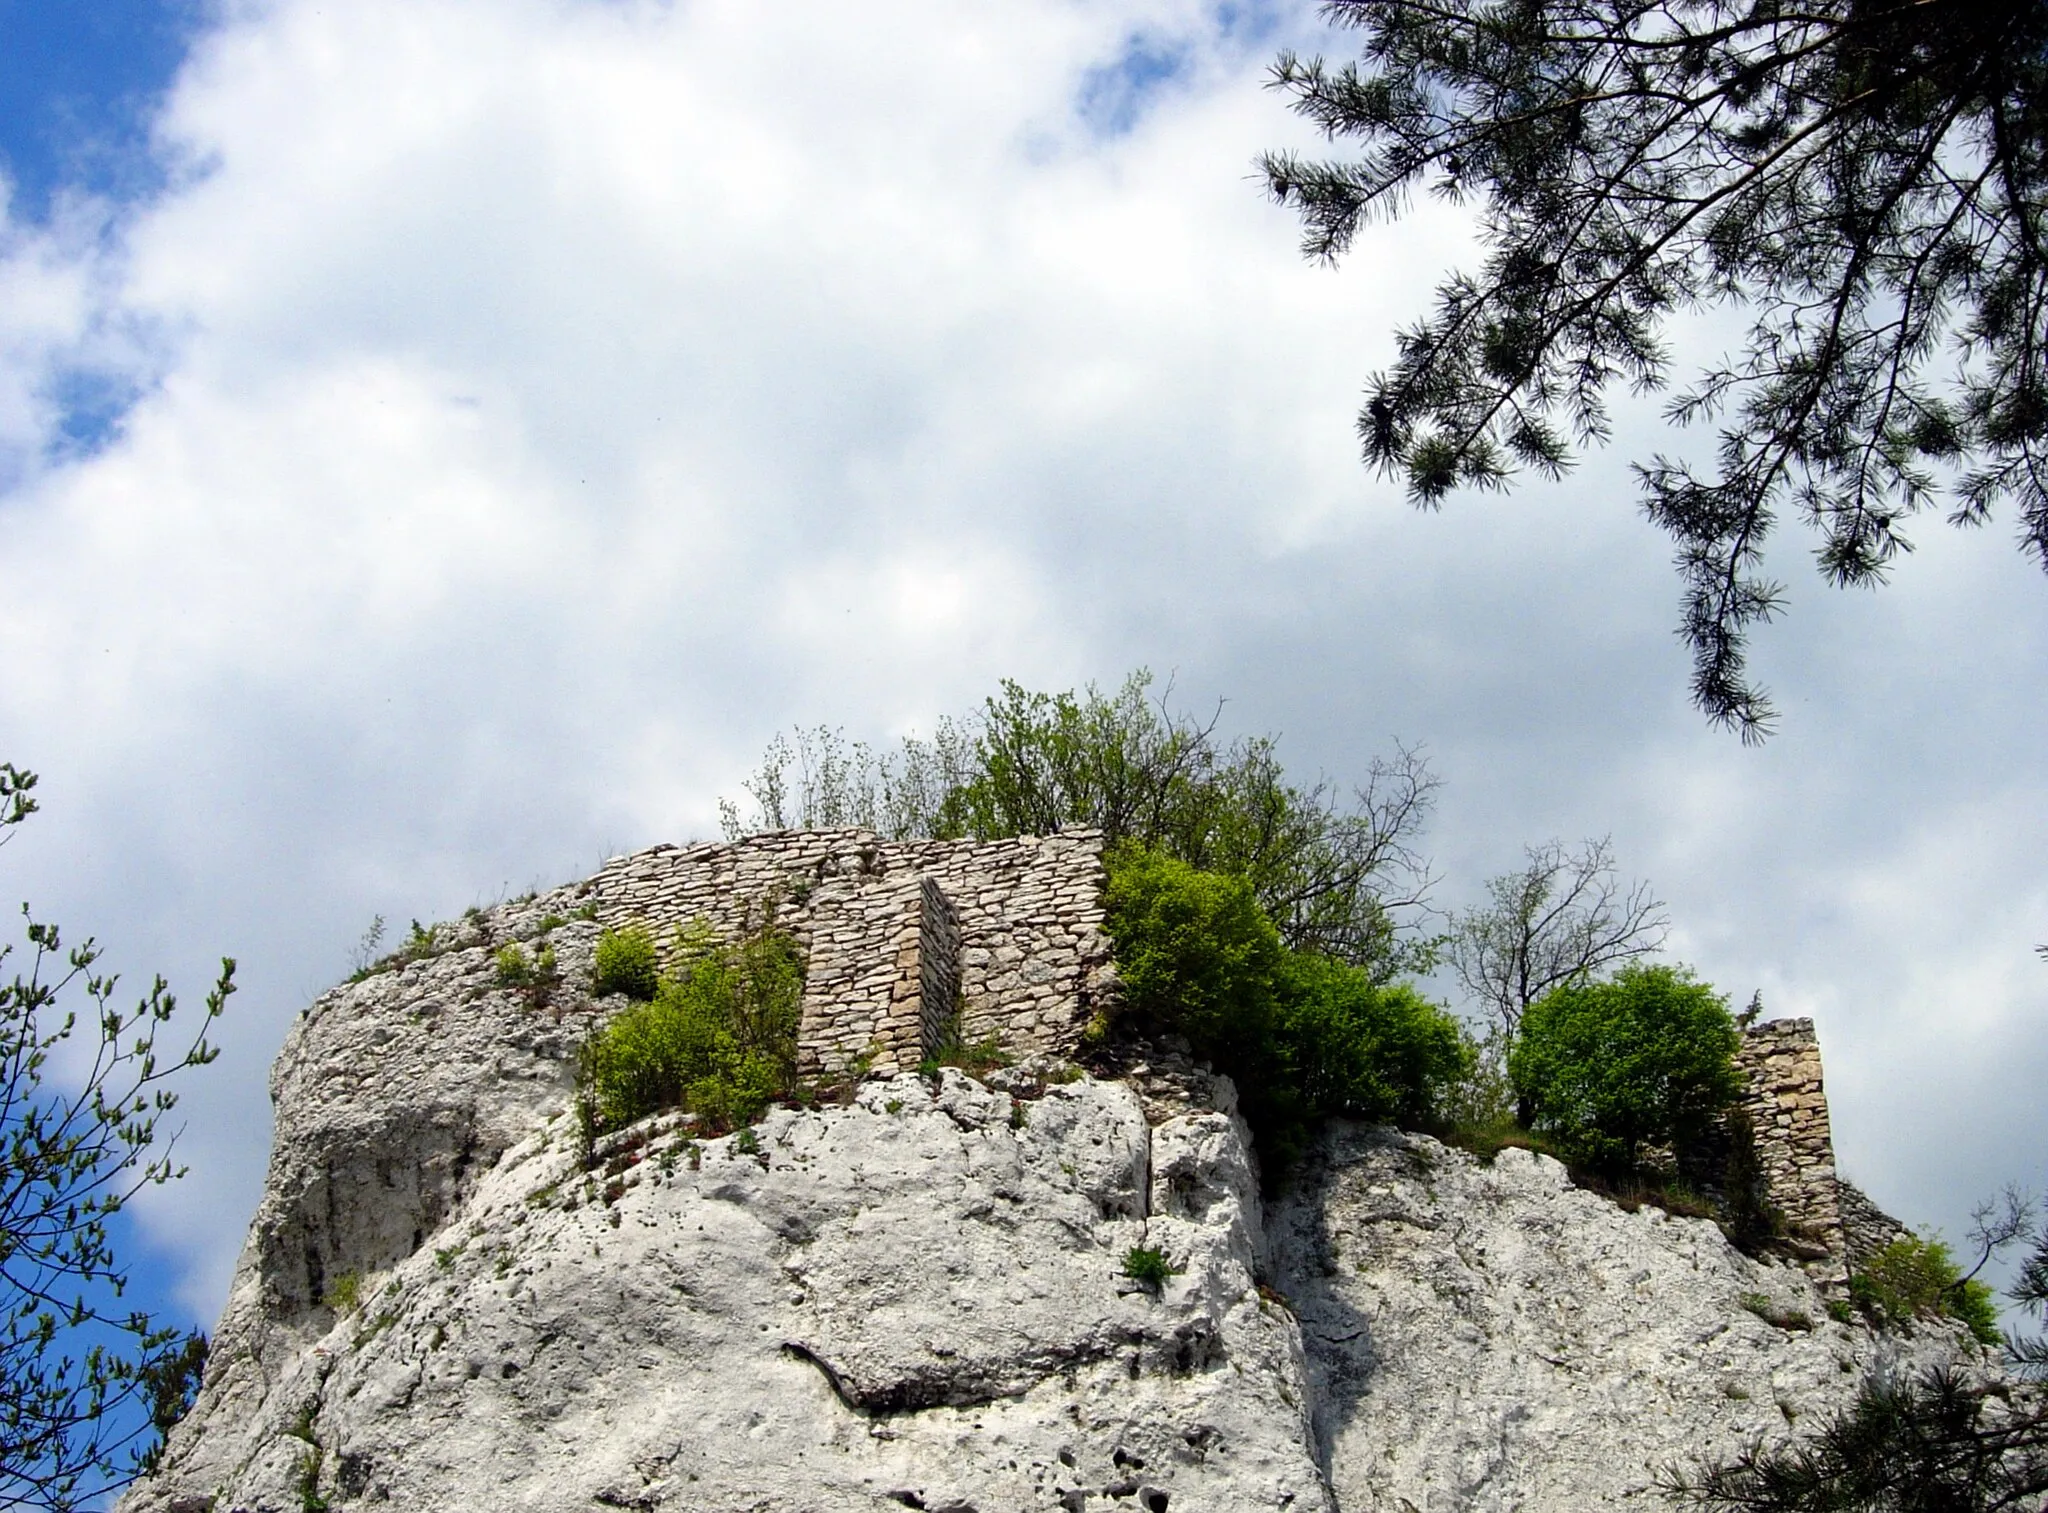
(1564,918)
(1608,1068)
(1334,875)
(1337,873)
(81,1386)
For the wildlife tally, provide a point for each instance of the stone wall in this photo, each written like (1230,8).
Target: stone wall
(938,962)
(863,984)
(908,941)
(1866,1228)
(728,886)
(1034,957)
(1787,1104)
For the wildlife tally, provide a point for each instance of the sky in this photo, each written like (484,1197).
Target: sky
(443,441)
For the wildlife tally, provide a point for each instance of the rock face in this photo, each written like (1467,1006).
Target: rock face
(1490,1337)
(913,1301)
(917,1299)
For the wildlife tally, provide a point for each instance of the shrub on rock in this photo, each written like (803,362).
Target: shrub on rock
(626,964)
(1917,1277)
(718,1038)
(1303,1035)
(1369,1050)
(1610,1069)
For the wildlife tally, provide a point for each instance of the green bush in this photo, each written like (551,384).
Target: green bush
(345,1292)
(1748,1216)
(536,975)
(1609,1068)
(718,1038)
(1195,953)
(1367,1050)
(626,964)
(1144,1264)
(1916,1277)
(513,969)
(1304,1036)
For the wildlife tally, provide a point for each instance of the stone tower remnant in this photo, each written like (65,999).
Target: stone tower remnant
(1787,1105)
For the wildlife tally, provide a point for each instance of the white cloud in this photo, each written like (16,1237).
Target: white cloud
(547,401)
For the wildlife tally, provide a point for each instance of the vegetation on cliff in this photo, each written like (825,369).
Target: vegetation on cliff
(717,1036)
(1304,1035)
(1279,926)
(1337,872)
(87,1387)
(1611,1068)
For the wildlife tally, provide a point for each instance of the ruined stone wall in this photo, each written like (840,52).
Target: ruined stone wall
(911,942)
(727,886)
(1787,1104)
(938,964)
(1034,957)
(863,984)
(1866,1228)
(907,940)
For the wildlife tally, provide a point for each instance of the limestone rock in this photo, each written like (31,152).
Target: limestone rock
(915,1300)
(1490,1338)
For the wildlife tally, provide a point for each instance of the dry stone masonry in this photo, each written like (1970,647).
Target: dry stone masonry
(908,941)
(883,983)
(1787,1104)
(1866,1228)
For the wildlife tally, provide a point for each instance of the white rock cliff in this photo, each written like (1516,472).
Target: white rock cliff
(917,1300)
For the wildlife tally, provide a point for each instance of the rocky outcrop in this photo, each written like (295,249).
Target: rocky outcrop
(919,1298)
(1488,1337)
(915,1300)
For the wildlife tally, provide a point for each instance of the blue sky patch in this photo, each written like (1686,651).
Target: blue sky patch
(79,80)
(90,405)
(1115,96)
(1251,24)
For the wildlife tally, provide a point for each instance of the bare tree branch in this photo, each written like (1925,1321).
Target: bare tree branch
(1564,917)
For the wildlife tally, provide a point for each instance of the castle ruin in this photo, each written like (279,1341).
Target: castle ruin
(908,942)
(1003,942)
